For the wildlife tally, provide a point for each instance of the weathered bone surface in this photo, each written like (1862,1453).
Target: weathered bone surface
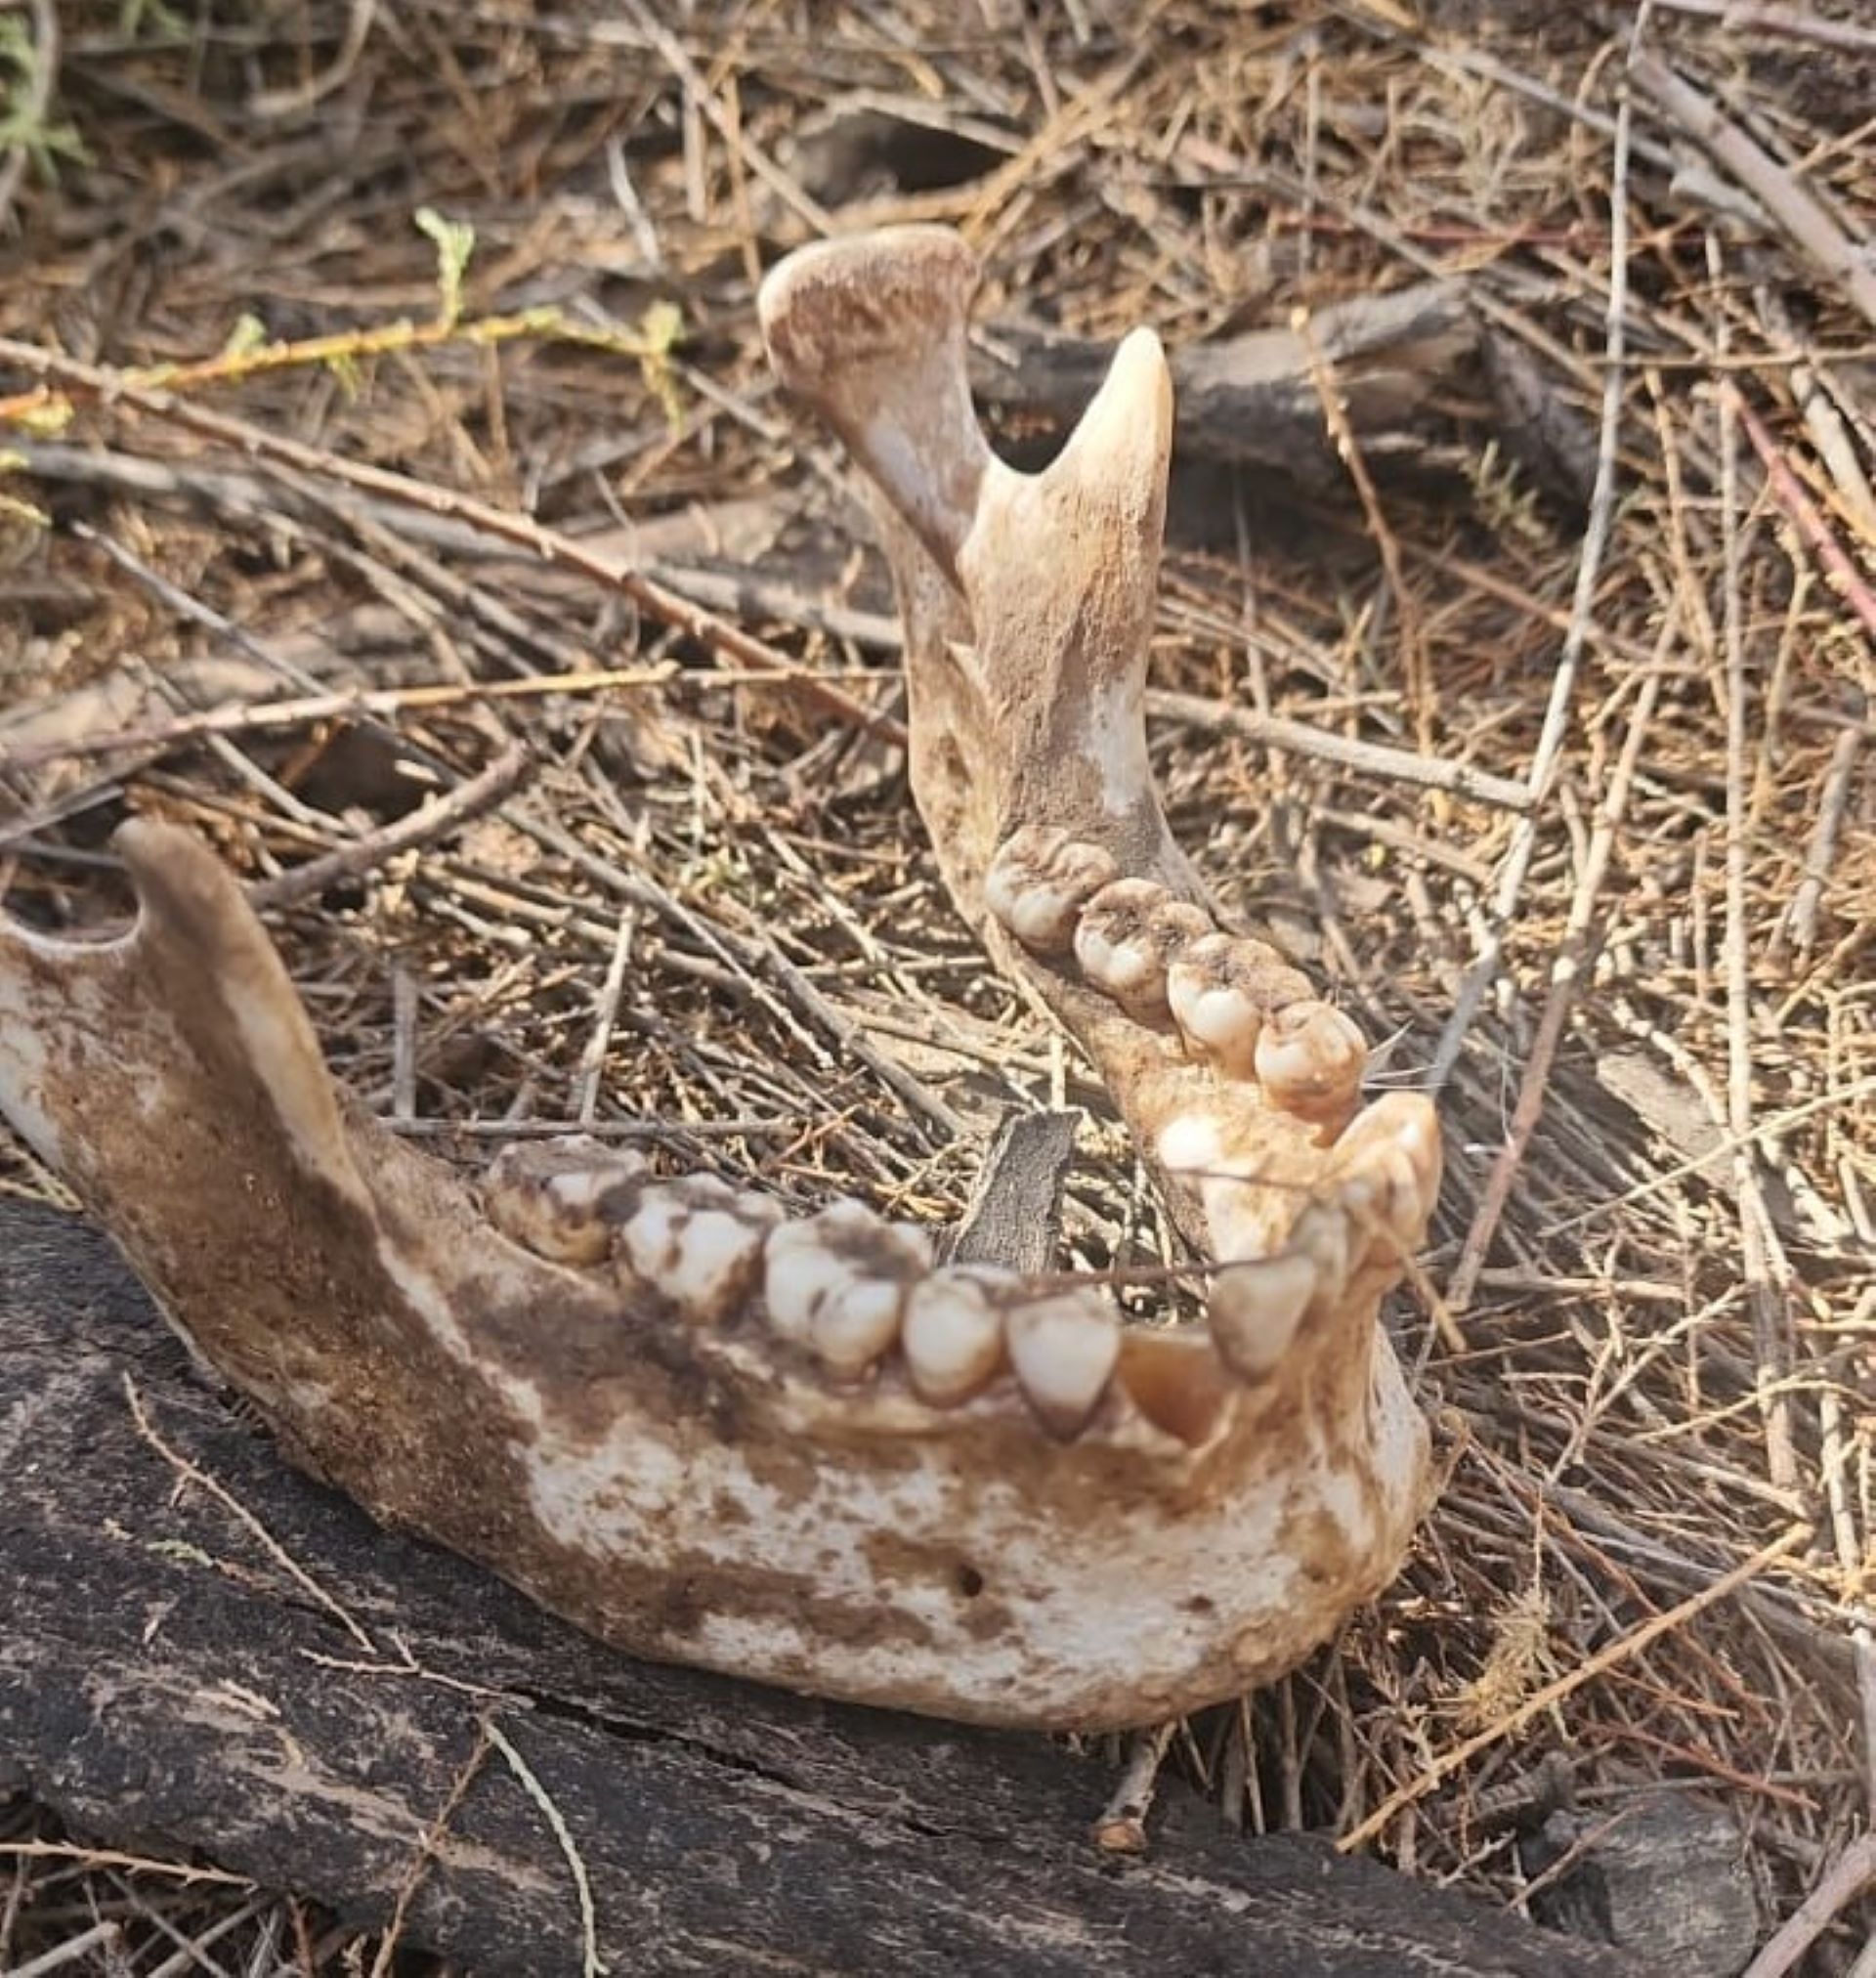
(792,1449)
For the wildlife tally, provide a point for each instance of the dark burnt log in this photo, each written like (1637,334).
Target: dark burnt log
(166,1683)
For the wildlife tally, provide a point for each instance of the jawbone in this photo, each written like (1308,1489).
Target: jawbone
(792,1450)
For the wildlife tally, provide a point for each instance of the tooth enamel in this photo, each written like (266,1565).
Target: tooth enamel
(705,1257)
(954,1337)
(1063,1351)
(1389,1154)
(1040,880)
(837,1280)
(561,1199)
(1309,1060)
(1221,990)
(1128,933)
(856,1323)
(1255,1307)
(1176,1381)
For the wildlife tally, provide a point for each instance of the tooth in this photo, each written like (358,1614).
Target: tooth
(1040,880)
(802,1264)
(1176,1381)
(1128,932)
(860,1320)
(1389,1157)
(1309,1060)
(954,1336)
(1063,1351)
(1255,1307)
(836,1282)
(562,1199)
(698,1242)
(1223,989)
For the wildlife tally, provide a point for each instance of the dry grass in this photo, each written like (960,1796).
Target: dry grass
(1668,1354)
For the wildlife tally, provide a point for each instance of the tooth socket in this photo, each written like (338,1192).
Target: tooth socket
(1128,936)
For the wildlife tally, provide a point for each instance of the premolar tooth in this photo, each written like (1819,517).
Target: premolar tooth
(954,1336)
(1129,935)
(562,1199)
(1255,1307)
(1176,1381)
(1221,990)
(1040,880)
(1064,1351)
(1309,1060)
(699,1243)
(837,1282)
(1390,1155)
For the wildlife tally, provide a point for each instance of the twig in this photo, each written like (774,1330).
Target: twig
(1483,972)
(1846,1879)
(426,1849)
(192,1473)
(1122,1827)
(1568,976)
(272,102)
(1796,209)
(1368,758)
(550,544)
(1758,1242)
(1552,1692)
(106,1936)
(591,1966)
(423,825)
(1790,494)
(1800,925)
(1738,15)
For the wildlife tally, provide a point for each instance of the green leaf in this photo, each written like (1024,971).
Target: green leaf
(456,243)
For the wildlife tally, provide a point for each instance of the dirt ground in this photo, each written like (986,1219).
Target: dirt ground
(1600,553)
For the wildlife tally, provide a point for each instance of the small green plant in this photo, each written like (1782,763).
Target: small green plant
(24,124)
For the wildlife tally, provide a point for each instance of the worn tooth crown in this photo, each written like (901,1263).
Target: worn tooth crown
(1040,880)
(1064,1349)
(954,1334)
(1223,989)
(1255,1309)
(563,1199)
(1127,937)
(1309,1060)
(699,1243)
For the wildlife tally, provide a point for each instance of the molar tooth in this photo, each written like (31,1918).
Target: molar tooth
(1040,880)
(1221,989)
(1064,1351)
(699,1242)
(801,1266)
(837,1282)
(1255,1307)
(562,1198)
(954,1336)
(1309,1060)
(1176,1381)
(1128,933)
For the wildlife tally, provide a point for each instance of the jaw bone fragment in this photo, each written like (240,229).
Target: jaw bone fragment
(784,1449)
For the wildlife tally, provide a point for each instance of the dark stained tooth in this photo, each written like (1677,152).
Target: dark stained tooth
(1223,989)
(1176,1381)
(562,1199)
(699,1243)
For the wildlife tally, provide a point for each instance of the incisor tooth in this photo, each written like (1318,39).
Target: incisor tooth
(954,1337)
(1040,880)
(1129,935)
(1309,1060)
(1221,989)
(1063,1351)
(1255,1307)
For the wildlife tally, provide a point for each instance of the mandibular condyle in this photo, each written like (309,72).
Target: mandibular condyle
(794,1448)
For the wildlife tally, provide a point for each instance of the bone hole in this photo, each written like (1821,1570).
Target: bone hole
(971,1582)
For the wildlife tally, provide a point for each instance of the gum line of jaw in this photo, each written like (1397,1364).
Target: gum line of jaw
(858,1298)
